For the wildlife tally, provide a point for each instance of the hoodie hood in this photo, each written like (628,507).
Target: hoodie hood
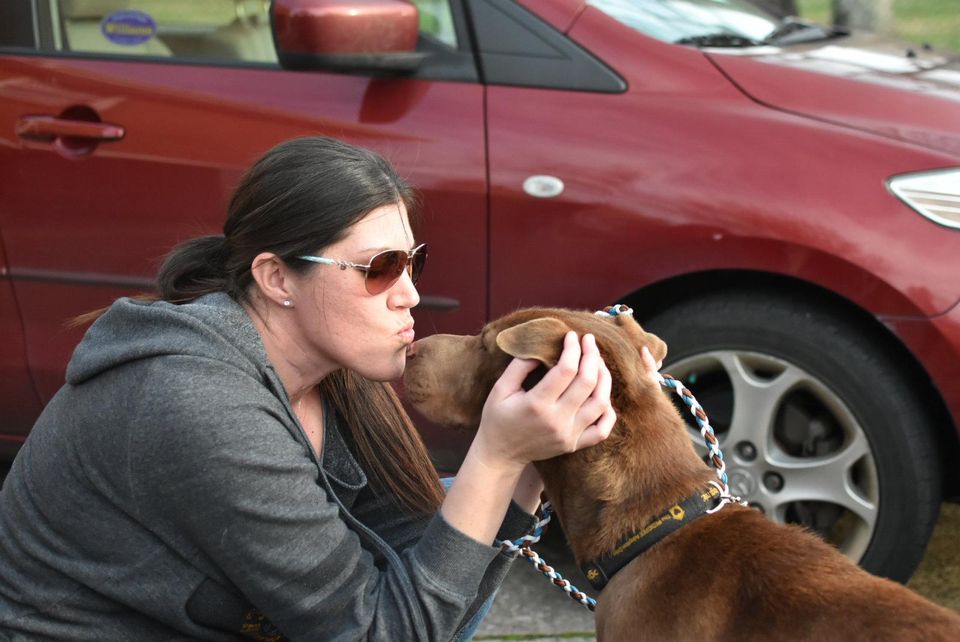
(865,81)
(214,326)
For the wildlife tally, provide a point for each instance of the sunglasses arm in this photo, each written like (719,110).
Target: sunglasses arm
(343,265)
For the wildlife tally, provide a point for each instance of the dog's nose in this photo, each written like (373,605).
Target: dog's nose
(411,350)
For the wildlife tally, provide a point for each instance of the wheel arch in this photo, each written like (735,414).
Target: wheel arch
(684,288)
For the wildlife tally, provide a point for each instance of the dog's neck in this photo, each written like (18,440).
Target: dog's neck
(613,489)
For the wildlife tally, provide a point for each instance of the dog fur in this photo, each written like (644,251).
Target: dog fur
(731,575)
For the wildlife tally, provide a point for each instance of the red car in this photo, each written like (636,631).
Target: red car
(777,200)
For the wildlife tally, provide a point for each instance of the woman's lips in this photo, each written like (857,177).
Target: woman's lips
(407,334)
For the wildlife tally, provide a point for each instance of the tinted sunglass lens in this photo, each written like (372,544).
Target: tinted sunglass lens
(385,269)
(416,264)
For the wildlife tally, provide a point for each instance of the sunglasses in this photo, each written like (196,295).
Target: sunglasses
(384,268)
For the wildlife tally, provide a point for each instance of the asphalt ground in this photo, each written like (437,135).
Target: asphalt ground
(530,608)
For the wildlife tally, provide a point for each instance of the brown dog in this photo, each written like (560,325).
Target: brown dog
(728,575)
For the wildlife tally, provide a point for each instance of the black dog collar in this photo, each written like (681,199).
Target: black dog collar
(598,572)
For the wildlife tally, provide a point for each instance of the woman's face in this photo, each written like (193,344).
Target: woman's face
(343,325)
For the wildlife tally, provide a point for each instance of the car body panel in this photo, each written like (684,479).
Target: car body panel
(882,88)
(936,343)
(170,177)
(661,181)
(657,200)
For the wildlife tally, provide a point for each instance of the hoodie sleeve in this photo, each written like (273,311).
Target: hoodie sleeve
(403,531)
(220,476)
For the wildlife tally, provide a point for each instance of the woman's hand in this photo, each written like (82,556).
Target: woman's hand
(567,410)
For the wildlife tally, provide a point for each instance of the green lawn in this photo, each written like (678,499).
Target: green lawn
(934,21)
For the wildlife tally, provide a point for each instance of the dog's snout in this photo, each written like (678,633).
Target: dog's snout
(411,350)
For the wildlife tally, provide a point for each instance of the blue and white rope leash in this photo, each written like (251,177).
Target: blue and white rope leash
(522,545)
(703,423)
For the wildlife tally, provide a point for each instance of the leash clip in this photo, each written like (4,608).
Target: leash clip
(725,498)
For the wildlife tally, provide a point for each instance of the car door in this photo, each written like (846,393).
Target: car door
(125,125)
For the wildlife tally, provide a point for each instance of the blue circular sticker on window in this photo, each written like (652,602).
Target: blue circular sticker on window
(128,27)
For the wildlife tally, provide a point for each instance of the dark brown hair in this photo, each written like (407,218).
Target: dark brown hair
(301,196)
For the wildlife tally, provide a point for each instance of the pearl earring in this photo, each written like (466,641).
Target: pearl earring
(287,303)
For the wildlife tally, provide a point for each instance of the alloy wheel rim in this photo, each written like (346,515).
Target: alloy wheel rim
(793,448)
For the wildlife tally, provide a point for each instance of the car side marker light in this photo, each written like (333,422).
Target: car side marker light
(543,186)
(934,194)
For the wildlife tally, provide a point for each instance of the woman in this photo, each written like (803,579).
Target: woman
(225,461)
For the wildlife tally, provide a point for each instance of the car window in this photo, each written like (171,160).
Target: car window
(436,20)
(233,30)
(198,30)
(682,19)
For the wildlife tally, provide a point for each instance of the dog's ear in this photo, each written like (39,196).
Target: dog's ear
(640,337)
(540,339)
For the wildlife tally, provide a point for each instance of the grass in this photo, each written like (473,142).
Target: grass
(938,577)
(921,21)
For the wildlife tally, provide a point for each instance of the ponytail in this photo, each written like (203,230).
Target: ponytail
(192,269)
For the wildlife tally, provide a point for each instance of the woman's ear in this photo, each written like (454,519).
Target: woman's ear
(270,274)
(540,339)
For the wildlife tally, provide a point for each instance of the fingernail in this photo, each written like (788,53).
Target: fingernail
(645,350)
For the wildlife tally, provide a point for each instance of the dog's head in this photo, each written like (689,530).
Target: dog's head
(648,455)
(448,377)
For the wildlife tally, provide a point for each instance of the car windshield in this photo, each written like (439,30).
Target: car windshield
(708,23)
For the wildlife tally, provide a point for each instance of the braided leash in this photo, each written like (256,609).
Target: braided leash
(706,431)
(522,545)
(699,415)
(709,438)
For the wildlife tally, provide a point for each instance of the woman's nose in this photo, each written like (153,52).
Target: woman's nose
(404,292)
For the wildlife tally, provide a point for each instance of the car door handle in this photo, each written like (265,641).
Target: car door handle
(47,129)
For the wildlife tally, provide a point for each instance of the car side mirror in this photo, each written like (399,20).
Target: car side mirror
(347,35)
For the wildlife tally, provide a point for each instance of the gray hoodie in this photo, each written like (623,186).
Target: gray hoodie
(168,492)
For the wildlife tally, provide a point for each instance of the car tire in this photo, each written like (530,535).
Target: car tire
(816,420)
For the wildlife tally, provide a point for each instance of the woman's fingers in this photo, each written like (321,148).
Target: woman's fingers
(583,386)
(511,381)
(588,398)
(599,431)
(571,382)
(568,409)
(598,403)
(560,376)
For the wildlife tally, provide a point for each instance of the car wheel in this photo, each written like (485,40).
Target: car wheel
(817,423)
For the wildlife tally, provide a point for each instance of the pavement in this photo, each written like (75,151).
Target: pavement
(531,608)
